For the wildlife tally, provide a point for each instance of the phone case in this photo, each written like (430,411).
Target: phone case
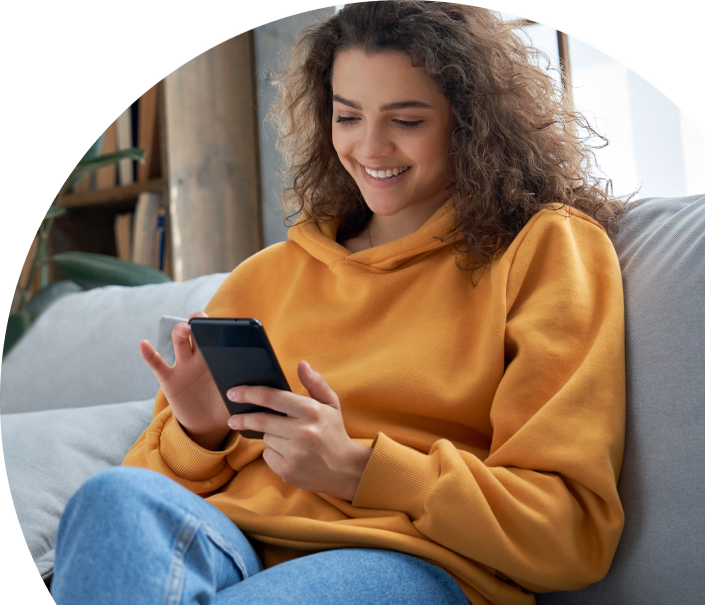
(238,352)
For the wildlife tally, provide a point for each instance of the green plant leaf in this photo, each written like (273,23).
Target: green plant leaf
(134,153)
(54,212)
(92,152)
(95,149)
(45,297)
(16,327)
(86,166)
(96,270)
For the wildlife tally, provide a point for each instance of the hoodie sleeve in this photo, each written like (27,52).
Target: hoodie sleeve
(166,448)
(543,507)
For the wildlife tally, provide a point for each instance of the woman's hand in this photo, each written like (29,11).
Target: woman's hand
(309,447)
(189,388)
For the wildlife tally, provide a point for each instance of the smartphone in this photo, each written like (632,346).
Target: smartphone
(237,352)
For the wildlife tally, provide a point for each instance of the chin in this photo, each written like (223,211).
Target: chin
(383,207)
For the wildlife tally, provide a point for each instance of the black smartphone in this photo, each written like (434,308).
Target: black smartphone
(237,352)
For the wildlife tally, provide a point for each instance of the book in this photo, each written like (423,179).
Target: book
(134,122)
(124,141)
(147,135)
(145,248)
(123,236)
(106,176)
(161,237)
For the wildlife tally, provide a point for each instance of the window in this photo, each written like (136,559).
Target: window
(654,147)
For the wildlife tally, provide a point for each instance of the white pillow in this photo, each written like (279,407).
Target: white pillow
(83,350)
(49,454)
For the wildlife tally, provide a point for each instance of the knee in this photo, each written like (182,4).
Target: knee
(116,480)
(112,488)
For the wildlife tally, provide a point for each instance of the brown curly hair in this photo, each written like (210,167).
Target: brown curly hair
(514,143)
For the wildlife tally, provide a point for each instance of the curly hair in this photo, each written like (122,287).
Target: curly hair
(514,142)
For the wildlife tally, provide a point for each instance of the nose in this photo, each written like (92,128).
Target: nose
(375,142)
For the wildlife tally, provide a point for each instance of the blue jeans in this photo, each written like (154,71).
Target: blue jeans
(131,535)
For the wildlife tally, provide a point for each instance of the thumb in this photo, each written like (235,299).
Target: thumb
(316,386)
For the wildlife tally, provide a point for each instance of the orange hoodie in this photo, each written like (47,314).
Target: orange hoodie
(496,412)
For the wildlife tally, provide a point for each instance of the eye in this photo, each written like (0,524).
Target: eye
(404,124)
(345,121)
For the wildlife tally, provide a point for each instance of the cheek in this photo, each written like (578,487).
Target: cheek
(343,147)
(435,151)
(339,140)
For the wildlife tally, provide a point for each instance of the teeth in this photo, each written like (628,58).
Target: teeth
(385,174)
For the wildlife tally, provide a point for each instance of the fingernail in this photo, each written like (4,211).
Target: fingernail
(234,422)
(309,369)
(232,394)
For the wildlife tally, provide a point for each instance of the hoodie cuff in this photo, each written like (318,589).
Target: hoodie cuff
(396,478)
(188,460)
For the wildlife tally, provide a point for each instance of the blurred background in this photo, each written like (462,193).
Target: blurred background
(206,196)
(654,147)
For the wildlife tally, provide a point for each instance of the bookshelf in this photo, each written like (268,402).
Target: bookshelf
(199,128)
(98,204)
(113,194)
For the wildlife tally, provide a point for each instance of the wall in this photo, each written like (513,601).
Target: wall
(270,41)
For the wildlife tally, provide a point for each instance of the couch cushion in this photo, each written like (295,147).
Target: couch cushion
(49,454)
(83,350)
(661,556)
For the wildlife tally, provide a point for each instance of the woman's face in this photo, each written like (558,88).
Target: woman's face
(390,129)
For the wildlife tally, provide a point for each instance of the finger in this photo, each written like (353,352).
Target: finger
(285,402)
(316,385)
(197,314)
(262,422)
(276,462)
(192,341)
(154,360)
(181,336)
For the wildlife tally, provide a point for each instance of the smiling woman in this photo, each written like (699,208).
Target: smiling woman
(512,134)
(450,434)
(390,131)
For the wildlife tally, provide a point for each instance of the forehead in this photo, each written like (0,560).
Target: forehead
(381,77)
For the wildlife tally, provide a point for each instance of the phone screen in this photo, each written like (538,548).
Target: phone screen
(235,366)
(237,352)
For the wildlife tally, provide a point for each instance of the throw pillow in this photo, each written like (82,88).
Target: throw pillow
(49,454)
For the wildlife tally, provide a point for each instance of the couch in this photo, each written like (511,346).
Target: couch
(75,394)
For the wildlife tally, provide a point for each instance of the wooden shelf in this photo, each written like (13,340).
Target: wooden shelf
(110,196)
(202,156)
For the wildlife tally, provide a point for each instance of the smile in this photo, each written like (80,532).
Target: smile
(382,175)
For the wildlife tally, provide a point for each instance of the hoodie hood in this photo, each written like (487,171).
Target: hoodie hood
(318,239)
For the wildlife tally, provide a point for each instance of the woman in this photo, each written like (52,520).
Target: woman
(453,285)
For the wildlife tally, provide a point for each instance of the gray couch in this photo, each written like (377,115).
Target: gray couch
(75,394)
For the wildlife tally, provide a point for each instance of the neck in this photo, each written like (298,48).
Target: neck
(384,229)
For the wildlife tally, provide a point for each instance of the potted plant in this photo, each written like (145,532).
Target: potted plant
(84,270)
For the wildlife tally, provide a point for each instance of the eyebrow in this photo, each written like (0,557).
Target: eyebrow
(387,107)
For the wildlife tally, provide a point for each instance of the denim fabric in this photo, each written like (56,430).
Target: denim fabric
(133,536)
